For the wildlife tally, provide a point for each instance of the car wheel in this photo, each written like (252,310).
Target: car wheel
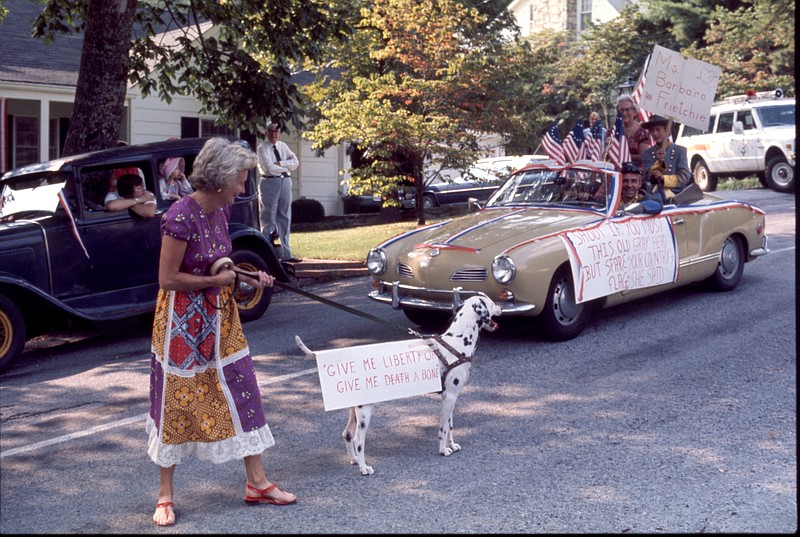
(706,180)
(12,333)
(428,319)
(563,318)
(730,267)
(780,175)
(252,302)
(428,202)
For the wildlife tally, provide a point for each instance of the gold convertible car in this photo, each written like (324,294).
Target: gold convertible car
(554,242)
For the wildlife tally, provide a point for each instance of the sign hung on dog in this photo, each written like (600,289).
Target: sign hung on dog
(367,374)
(621,256)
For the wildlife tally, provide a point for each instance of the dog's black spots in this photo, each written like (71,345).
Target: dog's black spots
(358,448)
(456,380)
(362,424)
(347,437)
(467,341)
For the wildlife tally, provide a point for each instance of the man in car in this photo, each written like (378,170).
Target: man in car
(632,190)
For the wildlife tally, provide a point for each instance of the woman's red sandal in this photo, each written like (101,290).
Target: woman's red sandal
(165,505)
(263,498)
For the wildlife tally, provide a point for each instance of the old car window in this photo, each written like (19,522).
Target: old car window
(97,181)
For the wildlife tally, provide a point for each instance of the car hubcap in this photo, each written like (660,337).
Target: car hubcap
(246,299)
(782,174)
(564,305)
(729,259)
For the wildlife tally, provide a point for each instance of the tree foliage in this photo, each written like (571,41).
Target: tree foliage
(754,45)
(686,21)
(418,84)
(236,57)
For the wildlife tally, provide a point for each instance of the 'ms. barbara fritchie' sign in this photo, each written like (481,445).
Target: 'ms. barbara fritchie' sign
(368,374)
(679,88)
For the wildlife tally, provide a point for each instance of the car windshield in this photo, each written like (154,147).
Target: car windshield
(554,187)
(777,115)
(31,193)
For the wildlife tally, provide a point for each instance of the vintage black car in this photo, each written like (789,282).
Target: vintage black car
(65,261)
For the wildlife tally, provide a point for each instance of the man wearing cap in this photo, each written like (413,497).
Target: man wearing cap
(665,164)
(632,190)
(275,164)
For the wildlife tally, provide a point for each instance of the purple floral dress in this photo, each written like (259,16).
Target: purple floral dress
(204,397)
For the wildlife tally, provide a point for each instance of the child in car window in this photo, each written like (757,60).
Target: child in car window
(173,183)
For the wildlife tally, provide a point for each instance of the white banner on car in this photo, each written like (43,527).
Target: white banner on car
(622,255)
(367,374)
(679,88)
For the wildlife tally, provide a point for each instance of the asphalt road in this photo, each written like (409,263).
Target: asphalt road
(673,414)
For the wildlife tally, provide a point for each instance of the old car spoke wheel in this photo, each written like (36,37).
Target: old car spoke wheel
(563,318)
(252,302)
(730,267)
(12,333)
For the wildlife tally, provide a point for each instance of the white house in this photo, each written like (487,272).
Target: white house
(573,15)
(37,91)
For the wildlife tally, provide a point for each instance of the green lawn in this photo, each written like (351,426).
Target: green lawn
(353,243)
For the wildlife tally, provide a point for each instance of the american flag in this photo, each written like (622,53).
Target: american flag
(552,145)
(595,142)
(644,115)
(574,148)
(618,150)
(62,198)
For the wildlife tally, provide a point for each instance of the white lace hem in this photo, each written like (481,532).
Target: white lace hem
(237,447)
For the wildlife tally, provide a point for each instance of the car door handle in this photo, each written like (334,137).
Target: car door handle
(678,221)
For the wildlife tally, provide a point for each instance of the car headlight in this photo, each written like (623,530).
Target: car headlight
(503,269)
(376,261)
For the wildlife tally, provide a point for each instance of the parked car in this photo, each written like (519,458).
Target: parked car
(747,135)
(65,260)
(478,182)
(554,242)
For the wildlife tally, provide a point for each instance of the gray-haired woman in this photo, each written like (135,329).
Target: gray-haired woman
(204,397)
(638,138)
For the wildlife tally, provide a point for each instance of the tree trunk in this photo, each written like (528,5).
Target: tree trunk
(103,77)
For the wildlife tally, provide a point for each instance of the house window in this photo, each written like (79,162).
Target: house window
(52,151)
(208,128)
(26,140)
(531,13)
(585,15)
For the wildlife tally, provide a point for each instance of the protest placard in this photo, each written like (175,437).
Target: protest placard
(366,374)
(622,255)
(679,88)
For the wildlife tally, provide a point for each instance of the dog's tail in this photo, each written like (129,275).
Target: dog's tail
(302,346)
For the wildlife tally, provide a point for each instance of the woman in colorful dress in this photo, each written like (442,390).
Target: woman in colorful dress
(638,138)
(204,396)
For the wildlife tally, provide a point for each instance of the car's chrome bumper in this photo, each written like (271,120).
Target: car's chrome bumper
(407,296)
(764,250)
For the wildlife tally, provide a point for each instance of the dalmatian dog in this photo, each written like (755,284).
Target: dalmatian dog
(454,348)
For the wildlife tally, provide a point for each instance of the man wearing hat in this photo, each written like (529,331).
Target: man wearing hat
(665,164)
(632,190)
(275,164)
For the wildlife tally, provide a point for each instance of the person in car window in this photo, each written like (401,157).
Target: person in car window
(204,394)
(131,194)
(173,184)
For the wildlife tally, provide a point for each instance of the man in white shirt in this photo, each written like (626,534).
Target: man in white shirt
(275,164)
